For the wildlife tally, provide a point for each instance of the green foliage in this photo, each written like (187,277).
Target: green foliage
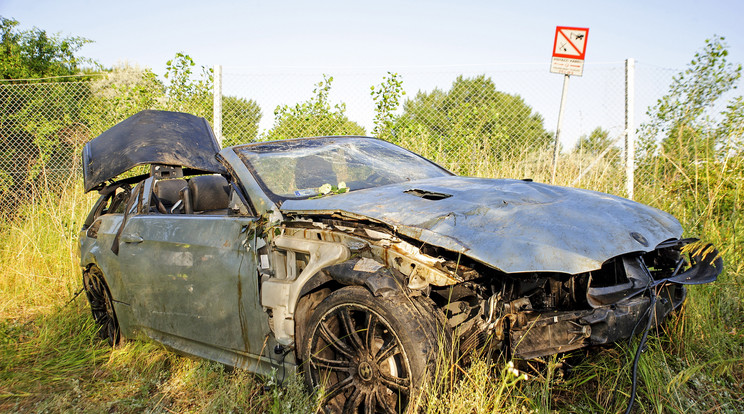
(290,396)
(43,126)
(474,111)
(40,126)
(688,150)
(680,120)
(472,121)
(730,131)
(387,99)
(185,93)
(595,143)
(708,76)
(122,92)
(35,54)
(126,90)
(314,117)
(240,119)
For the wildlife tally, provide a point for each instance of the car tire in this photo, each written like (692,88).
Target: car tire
(367,353)
(101,305)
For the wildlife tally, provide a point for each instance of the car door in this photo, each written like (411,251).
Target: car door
(191,279)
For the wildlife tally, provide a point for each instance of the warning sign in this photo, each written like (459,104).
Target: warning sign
(569,49)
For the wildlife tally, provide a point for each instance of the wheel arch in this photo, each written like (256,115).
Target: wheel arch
(384,282)
(357,271)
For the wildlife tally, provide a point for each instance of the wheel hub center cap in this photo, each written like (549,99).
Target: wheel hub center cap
(365,371)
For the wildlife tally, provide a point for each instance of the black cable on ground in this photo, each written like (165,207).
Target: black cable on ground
(75,296)
(641,345)
(283,352)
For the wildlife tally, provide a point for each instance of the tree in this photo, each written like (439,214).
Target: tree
(596,143)
(387,99)
(314,117)
(126,90)
(689,150)
(240,119)
(35,54)
(40,124)
(678,122)
(121,93)
(474,112)
(472,123)
(185,93)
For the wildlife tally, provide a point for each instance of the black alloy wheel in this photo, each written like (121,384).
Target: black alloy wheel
(368,354)
(101,305)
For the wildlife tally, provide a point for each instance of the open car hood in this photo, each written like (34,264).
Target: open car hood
(150,137)
(512,225)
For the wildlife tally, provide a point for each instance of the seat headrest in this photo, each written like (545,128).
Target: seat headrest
(167,191)
(209,192)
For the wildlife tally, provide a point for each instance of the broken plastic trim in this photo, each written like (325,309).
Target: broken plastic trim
(705,266)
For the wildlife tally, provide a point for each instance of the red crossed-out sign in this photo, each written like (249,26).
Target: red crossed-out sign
(569,49)
(570,42)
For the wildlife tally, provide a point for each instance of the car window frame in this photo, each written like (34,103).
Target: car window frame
(279,199)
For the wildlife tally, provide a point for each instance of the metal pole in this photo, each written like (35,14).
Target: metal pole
(217,115)
(558,128)
(629,126)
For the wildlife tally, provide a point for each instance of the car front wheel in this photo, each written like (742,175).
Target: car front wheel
(366,353)
(101,305)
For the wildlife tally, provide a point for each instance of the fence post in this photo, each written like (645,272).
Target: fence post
(629,126)
(558,128)
(217,114)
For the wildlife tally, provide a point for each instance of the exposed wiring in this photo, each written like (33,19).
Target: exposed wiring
(651,310)
(651,314)
(280,350)
(75,296)
(281,361)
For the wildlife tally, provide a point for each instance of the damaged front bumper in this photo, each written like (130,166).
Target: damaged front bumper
(535,334)
(649,286)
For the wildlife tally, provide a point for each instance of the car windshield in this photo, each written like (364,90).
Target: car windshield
(308,167)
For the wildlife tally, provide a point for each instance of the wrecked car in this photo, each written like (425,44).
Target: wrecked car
(358,261)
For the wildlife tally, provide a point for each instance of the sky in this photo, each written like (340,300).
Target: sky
(382,33)
(278,35)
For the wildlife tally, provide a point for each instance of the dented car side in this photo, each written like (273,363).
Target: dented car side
(359,262)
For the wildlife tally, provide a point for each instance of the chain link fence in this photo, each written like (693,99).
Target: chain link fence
(484,121)
(42,128)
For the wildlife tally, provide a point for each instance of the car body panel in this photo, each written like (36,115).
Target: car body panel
(193,287)
(150,137)
(511,225)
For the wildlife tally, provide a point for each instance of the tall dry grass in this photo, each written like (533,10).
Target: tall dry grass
(39,251)
(52,361)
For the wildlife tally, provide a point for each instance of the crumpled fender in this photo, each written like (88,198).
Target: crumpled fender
(380,280)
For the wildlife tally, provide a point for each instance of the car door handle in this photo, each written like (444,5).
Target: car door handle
(131,238)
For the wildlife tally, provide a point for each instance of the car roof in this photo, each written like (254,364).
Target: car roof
(151,137)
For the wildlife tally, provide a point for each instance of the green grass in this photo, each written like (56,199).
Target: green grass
(51,359)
